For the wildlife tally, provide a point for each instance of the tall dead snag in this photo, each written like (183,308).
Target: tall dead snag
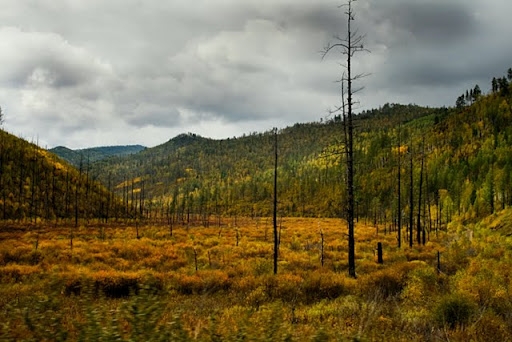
(274,216)
(348,46)
(77,190)
(419,228)
(411,198)
(399,191)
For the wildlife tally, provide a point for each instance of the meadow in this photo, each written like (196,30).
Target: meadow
(144,282)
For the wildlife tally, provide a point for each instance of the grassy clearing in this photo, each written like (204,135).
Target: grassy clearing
(216,283)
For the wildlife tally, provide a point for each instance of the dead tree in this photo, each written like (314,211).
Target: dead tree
(399,190)
(349,45)
(418,219)
(274,216)
(411,198)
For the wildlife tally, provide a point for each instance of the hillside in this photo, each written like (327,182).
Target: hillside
(233,176)
(35,185)
(459,160)
(94,154)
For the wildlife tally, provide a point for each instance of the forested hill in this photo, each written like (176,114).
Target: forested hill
(234,176)
(93,154)
(35,184)
(450,161)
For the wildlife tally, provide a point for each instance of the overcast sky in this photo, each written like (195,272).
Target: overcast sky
(84,73)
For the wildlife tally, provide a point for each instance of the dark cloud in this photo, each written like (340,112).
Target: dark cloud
(434,23)
(96,72)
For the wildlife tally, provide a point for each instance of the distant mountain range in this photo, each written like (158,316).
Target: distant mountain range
(94,154)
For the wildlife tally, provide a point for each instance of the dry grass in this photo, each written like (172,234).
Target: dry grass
(224,274)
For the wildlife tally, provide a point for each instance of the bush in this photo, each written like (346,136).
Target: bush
(116,285)
(73,286)
(323,285)
(453,310)
(385,283)
(283,286)
(17,273)
(203,282)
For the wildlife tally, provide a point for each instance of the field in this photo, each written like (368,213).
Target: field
(138,282)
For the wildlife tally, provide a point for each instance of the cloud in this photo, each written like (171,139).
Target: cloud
(98,72)
(46,59)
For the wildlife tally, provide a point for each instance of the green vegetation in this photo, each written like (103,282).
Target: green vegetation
(93,154)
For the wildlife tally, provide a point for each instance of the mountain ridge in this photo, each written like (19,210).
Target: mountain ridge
(93,154)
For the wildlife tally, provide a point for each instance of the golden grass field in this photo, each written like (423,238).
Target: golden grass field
(217,284)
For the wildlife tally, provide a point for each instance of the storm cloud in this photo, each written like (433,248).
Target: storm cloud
(87,73)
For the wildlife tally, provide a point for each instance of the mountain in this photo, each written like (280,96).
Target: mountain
(36,184)
(94,153)
(233,176)
(451,161)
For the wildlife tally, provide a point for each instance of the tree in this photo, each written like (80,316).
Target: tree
(461,102)
(503,85)
(1,116)
(509,74)
(418,220)
(274,216)
(349,46)
(476,93)
(494,85)
(411,198)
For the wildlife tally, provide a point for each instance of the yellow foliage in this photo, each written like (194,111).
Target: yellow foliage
(402,149)
(233,280)
(17,273)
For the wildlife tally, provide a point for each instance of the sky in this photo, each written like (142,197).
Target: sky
(83,73)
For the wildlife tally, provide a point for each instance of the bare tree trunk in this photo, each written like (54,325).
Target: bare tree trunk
(349,45)
(380,260)
(77,190)
(399,191)
(322,256)
(411,200)
(109,198)
(420,188)
(274,216)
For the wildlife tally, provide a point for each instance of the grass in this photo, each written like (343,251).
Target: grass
(216,283)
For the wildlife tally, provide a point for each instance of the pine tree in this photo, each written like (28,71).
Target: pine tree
(494,85)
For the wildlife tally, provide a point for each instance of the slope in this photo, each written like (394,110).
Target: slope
(35,184)
(233,176)
(451,161)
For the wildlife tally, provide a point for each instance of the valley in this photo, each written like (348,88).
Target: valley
(176,242)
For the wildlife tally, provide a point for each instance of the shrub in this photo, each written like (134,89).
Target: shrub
(116,285)
(453,310)
(490,327)
(422,283)
(386,283)
(323,285)
(203,282)
(18,255)
(283,286)
(73,286)
(17,273)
